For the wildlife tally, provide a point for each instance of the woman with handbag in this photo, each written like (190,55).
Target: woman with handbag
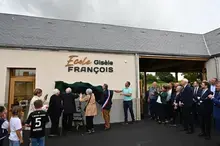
(90,109)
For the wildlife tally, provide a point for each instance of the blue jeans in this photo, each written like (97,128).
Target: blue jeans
(14,143)
(38,141)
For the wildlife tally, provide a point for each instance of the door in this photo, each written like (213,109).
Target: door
(21,92)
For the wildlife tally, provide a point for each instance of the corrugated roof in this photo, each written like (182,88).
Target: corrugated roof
(34,32)
(213,41)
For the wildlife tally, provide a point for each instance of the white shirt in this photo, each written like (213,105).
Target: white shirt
(203,92)
(169,93)
(15,124)
(31,107)
(195,90)
(212,88)
(5,125)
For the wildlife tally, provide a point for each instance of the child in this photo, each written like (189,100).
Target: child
(15,137)
(38,119)
(3,124)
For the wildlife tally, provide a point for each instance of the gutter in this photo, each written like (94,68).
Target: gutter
(76,49)
(215,58)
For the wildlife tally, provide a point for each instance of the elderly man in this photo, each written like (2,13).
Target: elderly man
(186,101)
(54,111)
(152,100)
(69,107)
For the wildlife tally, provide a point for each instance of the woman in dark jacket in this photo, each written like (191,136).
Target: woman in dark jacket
(54,111)
(69,107)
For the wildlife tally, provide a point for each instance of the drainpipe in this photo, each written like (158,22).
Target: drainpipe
(217,67)
(137,72)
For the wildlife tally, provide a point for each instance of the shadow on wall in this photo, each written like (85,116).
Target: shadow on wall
(117,111)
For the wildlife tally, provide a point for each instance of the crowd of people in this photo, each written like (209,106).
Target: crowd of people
(185,104)
(40,114)
(174,104)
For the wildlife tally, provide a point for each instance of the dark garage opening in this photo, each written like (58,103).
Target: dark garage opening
(167,64)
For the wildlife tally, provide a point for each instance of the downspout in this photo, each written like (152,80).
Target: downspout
(217,67)
(137,73)
(216,60)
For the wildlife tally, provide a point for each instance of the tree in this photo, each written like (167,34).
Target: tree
(193,76)
(141,76)
(165,76)
(151,78)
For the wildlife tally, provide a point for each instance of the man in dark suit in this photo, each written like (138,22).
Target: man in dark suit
(196,92)
(205,111)
(106,102)
(216,108)
(186,101)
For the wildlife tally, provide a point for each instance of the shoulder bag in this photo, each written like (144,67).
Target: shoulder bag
(87,103)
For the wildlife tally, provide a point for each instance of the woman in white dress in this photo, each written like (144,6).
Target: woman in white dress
(37,96)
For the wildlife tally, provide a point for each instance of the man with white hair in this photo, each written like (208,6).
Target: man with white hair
(54,111)
(152,100)
(186,101)
(69,107)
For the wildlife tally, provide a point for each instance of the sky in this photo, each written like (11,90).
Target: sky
(193,16)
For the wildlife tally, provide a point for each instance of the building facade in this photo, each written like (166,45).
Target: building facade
(36,52)
(46,67)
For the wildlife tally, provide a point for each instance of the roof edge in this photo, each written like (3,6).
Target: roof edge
(70,49)
(211,31)
(215,55)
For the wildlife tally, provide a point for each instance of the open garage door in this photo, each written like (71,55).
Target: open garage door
(168,64)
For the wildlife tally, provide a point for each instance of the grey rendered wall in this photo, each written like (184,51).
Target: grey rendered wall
(213,68)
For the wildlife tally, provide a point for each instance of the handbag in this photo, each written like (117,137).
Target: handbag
(87,103)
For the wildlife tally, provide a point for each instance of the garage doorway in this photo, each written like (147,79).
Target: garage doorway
(172,64)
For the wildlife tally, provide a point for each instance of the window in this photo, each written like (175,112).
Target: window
(23,72)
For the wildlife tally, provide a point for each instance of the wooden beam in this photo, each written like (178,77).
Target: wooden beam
(174,70)
(145,82)
(167,65)
(176,58)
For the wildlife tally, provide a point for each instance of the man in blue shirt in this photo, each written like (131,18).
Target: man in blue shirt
(128,104)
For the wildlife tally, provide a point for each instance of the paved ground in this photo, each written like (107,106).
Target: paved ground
(144,133)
